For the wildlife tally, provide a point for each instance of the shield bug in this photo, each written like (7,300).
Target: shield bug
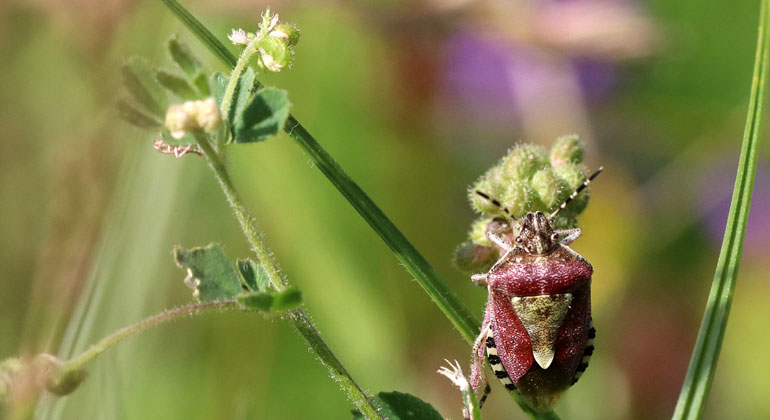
(537,333)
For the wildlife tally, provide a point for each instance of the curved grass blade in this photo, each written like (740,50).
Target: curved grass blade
(700,373)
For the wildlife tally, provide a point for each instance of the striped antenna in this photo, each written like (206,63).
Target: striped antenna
(495,202)
(577,191)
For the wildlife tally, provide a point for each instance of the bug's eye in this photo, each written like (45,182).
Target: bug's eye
(518,239)
(554,236)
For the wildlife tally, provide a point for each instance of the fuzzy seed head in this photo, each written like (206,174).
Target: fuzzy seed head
(193,115)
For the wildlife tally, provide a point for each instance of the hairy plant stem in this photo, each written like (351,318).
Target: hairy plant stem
(240,66)
(300,319)
(78,361)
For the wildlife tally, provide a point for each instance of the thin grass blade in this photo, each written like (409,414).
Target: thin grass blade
(703,363)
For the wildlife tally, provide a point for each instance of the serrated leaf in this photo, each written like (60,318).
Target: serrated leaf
(218,86)
(136,117)
(176,85)
(243,92)
(140,83)
(401,406)
(271,300)
(254,275)
(210,265)
(264,116)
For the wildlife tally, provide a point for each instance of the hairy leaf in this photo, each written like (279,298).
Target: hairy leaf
(176,85)
(217,275)
(254,275)
(140,83)
(136,117)
(263,116)
(401,406)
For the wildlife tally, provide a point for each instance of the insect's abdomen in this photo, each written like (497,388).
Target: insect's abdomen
(496,364)
(511,349)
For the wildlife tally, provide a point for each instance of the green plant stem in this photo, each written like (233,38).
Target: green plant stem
(703,362)
(78,361)
(240,66)
(300,319)
(457,313)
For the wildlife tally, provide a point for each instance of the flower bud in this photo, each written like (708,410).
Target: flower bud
(288,33)
(238,37)
(193,115)
(208,116)
(274,54)
(567,149)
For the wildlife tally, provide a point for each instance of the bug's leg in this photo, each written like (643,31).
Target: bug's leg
(572,234)
(479,279)
(487,391)
(479,349)
(497,240)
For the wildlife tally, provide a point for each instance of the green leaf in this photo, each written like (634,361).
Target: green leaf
(400,406)
(218,86)
(218,278)
(271,300)
(703,362)
(243,93)
(190,65)
(183,57)
(264,116)
(140,83)
(176,85)
(254,275)
(201,32)
(136,117)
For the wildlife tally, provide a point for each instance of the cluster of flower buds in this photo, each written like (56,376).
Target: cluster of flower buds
(529,179)
(273,42)
(193,115)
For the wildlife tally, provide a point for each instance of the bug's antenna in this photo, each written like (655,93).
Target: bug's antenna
(495,202)
(576,192)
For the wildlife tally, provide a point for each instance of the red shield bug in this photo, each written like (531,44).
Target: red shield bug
(537,333)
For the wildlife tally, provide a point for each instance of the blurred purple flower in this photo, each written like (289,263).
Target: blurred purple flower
(538,55)
(715,194)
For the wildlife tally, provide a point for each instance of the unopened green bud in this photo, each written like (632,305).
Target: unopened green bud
(274,54)
(567,149)
(491,185)
(573,176)
(474,258)
(288,33)
(549,188)
(520,199)
(523,161)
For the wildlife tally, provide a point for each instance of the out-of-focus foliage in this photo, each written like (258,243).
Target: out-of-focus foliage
(415,106)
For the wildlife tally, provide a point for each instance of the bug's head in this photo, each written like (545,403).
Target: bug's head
(536,235)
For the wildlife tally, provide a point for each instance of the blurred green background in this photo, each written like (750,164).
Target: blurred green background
(415,100)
